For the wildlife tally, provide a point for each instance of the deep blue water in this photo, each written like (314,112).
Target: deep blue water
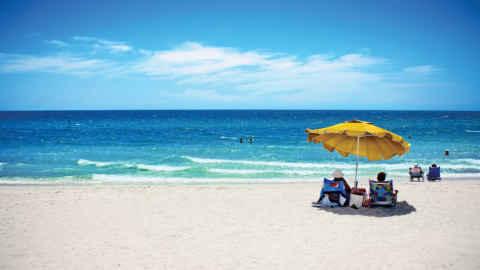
(203,146)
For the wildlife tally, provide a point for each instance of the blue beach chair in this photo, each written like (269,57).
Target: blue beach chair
(434,174)
(334,189)
(382,193)
(416,173)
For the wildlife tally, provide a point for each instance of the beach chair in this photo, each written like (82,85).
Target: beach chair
(416,173)
(434,174)
(382,193)
(335,190)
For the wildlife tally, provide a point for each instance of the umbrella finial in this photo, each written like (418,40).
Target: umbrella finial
(358,122)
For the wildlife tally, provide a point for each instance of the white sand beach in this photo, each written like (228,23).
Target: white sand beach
(436,226)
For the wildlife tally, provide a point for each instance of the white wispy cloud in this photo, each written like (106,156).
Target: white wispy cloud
(195,59)
(197,94)
(260,73)
(56,64)
(237,73)
(103,44)
(84,38)
(421,69)
(120,48)
(56,42)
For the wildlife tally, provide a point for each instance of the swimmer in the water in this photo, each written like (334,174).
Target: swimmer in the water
(447,153)
(251,140)
(241,140)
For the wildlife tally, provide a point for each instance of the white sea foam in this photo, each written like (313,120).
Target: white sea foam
(460,164)
(96,163)
(268,163)
(233,171)
(472,130)
(173,180)
(125,179)
(136,166)
(157,167)
(474,161)
(226,171)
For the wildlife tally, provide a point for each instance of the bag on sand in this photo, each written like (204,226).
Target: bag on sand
(356,200)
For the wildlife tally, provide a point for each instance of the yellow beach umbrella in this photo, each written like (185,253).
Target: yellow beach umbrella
(361,139)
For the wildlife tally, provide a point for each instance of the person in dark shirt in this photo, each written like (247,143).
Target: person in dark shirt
(381,177)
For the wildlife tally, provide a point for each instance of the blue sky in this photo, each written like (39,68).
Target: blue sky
(373,55)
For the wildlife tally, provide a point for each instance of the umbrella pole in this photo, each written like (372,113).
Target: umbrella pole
(356,168)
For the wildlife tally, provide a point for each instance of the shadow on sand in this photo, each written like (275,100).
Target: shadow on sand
(403,208)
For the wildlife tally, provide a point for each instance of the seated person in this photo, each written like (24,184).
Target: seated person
(381,192)
(433,166)
(337,176)
(415,168)
(381,177)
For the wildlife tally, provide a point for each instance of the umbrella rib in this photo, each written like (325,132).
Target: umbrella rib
(353,145)
(366,146)
(376,139)
(333,134)
(400,142)
(340,140)
(393,147)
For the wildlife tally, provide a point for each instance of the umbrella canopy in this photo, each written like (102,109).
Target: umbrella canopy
(361,139)
(371,141)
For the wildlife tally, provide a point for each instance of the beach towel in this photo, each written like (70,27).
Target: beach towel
(325,202)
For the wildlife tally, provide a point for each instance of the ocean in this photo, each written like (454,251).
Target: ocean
(203,146)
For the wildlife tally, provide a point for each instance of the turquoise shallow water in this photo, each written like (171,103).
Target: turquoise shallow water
(203,146)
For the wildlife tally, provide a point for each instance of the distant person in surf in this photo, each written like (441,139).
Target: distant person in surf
(447,153)
(251,140)
(241,140)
